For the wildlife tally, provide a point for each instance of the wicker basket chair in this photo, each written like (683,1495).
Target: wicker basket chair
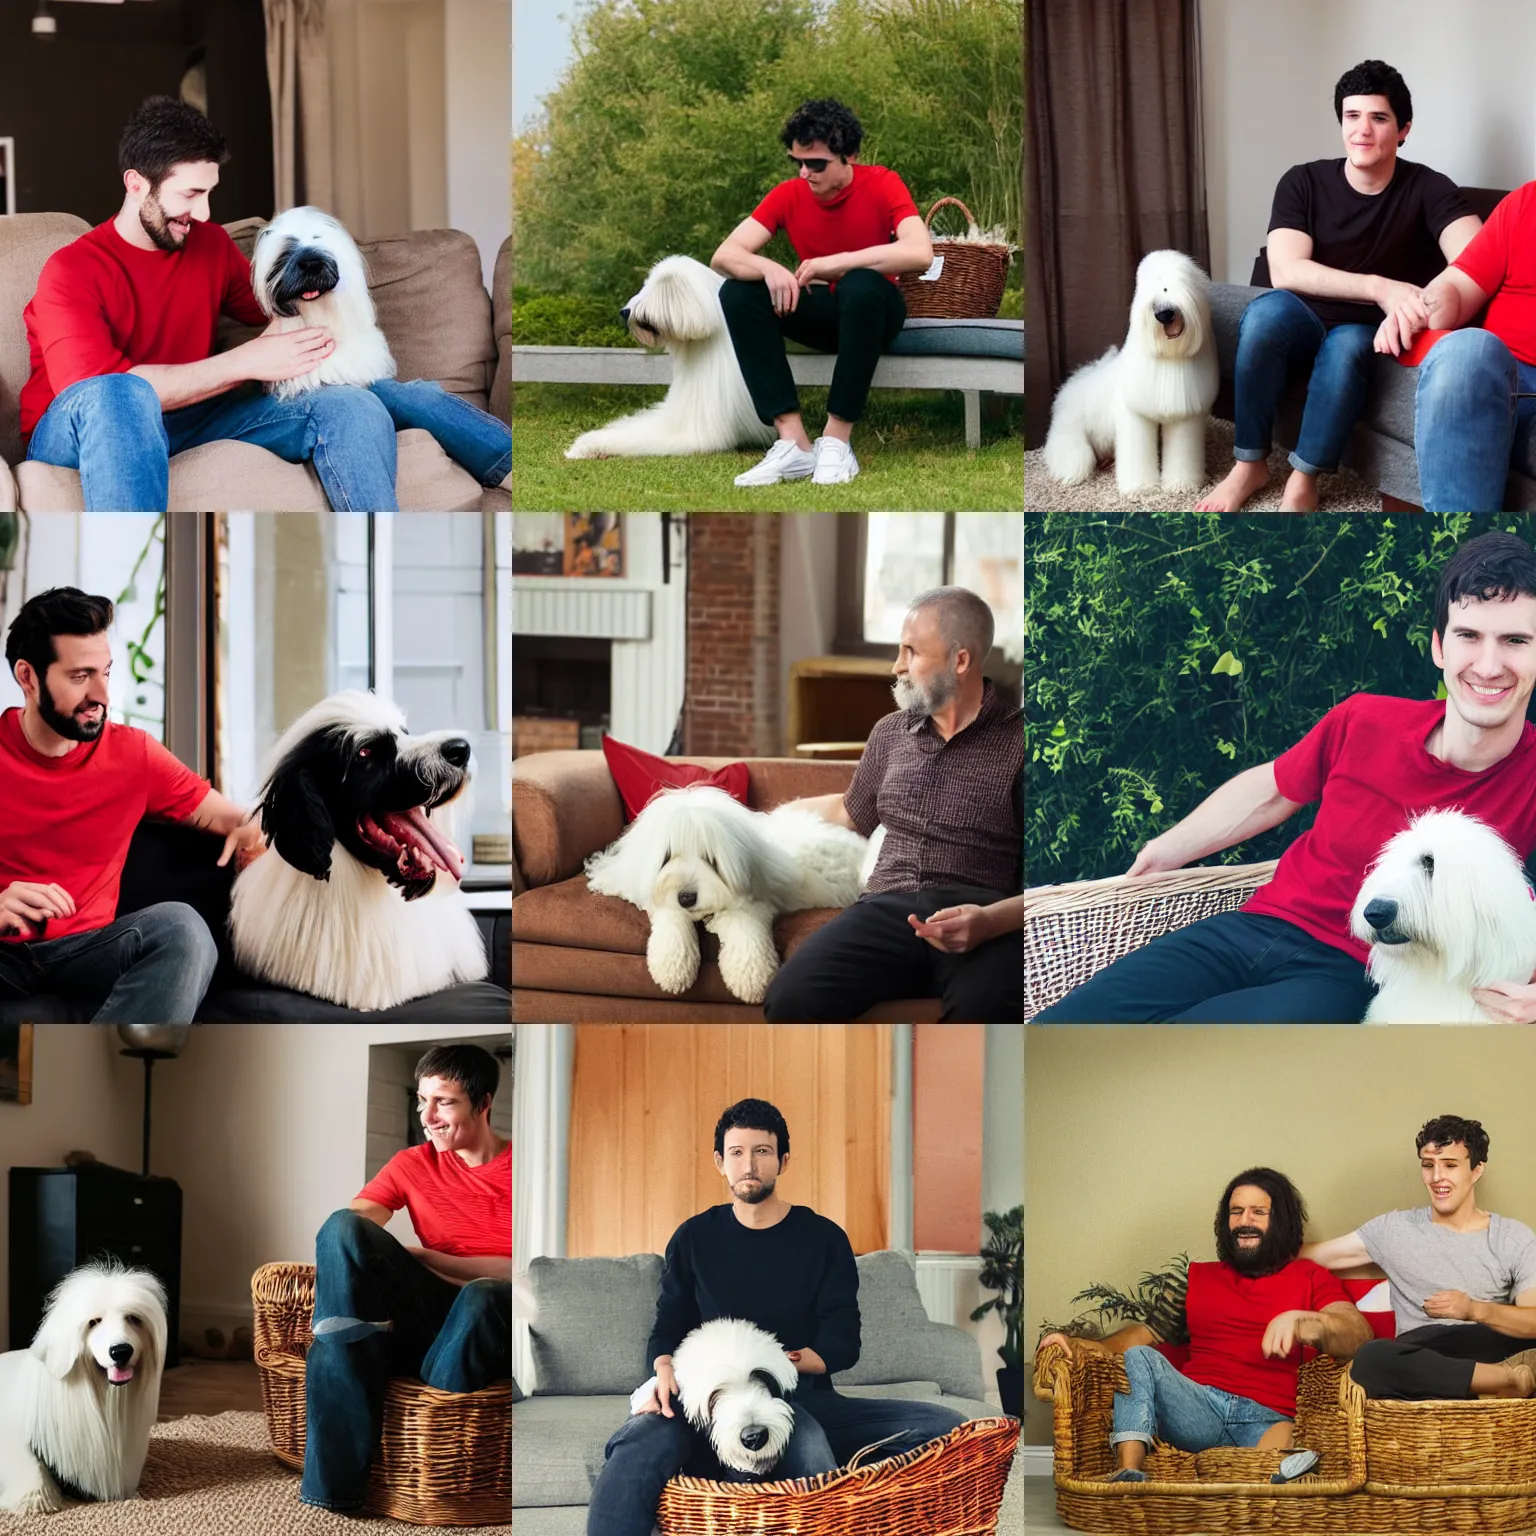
(445,1457)
(952,1486)
(1073,931)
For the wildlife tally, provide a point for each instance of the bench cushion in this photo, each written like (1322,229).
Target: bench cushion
(960,338)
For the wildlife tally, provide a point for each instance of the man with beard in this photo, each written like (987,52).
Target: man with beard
(943,915)
(1244,1319)
(73,786)
(792,1273)
(1463,1280)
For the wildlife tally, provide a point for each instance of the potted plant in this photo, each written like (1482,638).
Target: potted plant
(1002,1271)
(1157,1302)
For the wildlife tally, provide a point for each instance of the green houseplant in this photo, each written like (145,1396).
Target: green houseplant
(1002,1270)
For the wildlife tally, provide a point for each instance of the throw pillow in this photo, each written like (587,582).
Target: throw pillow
(641,776)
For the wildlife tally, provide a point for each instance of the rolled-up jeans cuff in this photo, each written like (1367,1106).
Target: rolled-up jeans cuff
(1120,1435)
(1250,455)
(1297,462)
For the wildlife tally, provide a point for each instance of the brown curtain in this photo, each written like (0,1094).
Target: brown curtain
(298,77)
(1114,168)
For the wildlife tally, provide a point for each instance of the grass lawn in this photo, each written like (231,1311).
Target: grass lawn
(910,446)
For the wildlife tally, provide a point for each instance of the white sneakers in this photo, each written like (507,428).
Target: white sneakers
(835,462)
(830,462)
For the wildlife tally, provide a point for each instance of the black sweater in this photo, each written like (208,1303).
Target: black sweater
(797,1279)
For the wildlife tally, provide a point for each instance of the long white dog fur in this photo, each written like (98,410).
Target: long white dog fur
(68,1405)
(1445,909)
(1164,379)
(707,408)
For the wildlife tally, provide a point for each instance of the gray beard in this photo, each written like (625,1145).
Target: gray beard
(917,700)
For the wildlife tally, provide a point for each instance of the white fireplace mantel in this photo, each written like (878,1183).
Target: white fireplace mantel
(580,608)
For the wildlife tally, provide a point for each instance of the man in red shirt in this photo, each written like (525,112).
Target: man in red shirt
(1373,762)
(1245,1319)
(854,229)
(441,1311)
(73,787)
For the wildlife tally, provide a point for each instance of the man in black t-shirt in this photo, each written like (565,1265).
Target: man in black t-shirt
(1349,240)
(791,1272)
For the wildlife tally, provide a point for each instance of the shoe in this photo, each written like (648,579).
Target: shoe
(835,462)
(784,461)
(1126,1475)
(1297,1464)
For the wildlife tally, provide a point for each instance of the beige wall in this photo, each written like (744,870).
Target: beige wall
(1131,1135)
(808,597)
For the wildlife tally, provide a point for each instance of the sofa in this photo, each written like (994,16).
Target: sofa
(432,305)
(169,862)
(588,1329)
(578,957)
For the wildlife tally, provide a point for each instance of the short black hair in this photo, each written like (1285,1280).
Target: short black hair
(58,611)
(1493,565)
(1447,1130)
(1287,1213)
(1373,78)
(827,120)
(752,1115)
(473,1069)
(164,133)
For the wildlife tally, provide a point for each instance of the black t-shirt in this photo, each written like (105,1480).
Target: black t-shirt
(1392,233)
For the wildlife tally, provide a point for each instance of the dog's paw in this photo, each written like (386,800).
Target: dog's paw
(31,1501)
(1070,463)
(747,968)
(672,958)
(586,447)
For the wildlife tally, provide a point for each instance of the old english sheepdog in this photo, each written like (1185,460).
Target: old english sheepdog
(695,855)
(1446,908)
(357,899)
(306,270)
(707,409)
(1164,377)
(76,1407)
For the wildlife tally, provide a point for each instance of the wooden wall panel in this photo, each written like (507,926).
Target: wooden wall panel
(948,1078)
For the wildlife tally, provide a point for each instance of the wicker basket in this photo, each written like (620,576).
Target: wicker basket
(952,1486)
(970,285)
(445,1457)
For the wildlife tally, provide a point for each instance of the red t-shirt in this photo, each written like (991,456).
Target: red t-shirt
(1501,259)
(454,1208)
(866,212)
(104,306)
(1227,1313)
(1365,759)
(68,820)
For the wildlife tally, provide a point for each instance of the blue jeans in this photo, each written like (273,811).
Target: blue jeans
(455,1338)
(1279,339)
(648,1449)
(1163,1402)
(151,967)
(111,428)
(1468,429)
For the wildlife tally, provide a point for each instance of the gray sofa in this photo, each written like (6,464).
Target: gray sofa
(589,1331)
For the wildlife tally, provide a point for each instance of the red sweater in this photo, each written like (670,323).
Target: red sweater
(104,306)
(866,212)
(454,1208)
(1501,259)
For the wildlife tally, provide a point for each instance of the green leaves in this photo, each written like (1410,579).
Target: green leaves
(1227,665)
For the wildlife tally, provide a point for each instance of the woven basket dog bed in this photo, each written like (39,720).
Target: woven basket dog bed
(970,283)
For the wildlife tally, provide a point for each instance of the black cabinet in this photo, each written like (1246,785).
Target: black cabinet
(62,1218)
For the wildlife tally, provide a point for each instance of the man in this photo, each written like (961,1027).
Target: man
(854,229)
(122,324)
(1348,240)
(73,787)
(1288,955)
(944,774)
(1463,1280)
(1244,1319)
(792,1273)
(441,1311)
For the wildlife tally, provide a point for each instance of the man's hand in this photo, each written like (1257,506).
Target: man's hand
(1392,296)
(807,1362)
(277,355)
(245,842)
(1404,321)
(783,287)
(1452,1304)
(1510,1002)
(820,269)
(1154,858)
(1063,1341)
(1288,1329)
(25,906)
(666,1389)
(954,929)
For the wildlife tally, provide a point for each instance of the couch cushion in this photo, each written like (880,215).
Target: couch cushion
(500,405)
(960,338)
(470,1002)
(591,1320)
(557,1447)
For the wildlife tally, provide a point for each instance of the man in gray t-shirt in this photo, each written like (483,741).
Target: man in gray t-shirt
(1463,1280)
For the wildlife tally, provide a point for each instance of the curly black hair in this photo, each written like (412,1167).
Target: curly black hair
(1493,565)
(164,133)
(829,121)
(753,1115)
(1287,1215)
(1447,1130)
(1373,78)
(58,611)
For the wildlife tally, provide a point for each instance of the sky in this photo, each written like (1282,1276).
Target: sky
(541,48)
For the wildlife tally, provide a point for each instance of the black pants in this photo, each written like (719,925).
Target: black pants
(1435,1361)
(857,322)
(869,954)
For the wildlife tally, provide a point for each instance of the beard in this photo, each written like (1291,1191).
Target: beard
(153,222)
(754,1195)
(1270,1255)
(73,727)
(919,699)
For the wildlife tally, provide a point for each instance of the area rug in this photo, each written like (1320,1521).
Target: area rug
(212,1477)
(1343,492)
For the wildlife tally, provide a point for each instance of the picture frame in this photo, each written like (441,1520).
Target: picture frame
(16,1063)
(594,544)
(538,544)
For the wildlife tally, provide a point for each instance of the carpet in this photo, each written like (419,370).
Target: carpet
(211,1477)
(1343,492)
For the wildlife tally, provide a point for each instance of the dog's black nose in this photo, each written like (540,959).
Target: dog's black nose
(754,1437)
(121,1353)
(687,898)
(1380,913)
(624,315)
(1164,313)
(456,750)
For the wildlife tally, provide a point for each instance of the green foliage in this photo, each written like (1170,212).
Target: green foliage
(1168,652)
(565,320)
(1003,1271)
(1156,1303)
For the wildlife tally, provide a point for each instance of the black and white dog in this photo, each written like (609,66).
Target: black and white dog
(357,900)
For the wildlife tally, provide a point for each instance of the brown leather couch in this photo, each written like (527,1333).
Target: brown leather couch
(578,957)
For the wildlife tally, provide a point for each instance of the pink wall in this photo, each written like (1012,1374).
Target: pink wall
(948,1063)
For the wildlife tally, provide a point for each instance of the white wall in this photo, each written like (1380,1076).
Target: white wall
(807,596)
(1002,1147)
(477,63)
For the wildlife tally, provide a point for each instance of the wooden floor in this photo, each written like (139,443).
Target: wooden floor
(209,1386)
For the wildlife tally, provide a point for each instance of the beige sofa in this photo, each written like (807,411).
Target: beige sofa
(432,305)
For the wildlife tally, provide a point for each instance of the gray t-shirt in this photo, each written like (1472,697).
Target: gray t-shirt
(1421,1258)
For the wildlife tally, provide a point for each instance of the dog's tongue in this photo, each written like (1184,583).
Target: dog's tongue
(314,293)
(118,1374)
(420,843)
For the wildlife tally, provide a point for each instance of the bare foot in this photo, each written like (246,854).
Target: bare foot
(1246,478)
(1300,494)
(1524,1381)
(1504,1381)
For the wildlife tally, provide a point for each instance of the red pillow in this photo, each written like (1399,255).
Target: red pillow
(641,776)
(1383,1324)
(1411,357)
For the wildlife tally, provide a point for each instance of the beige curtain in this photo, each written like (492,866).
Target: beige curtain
(298,76)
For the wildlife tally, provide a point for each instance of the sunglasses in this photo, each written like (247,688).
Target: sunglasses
(815,167)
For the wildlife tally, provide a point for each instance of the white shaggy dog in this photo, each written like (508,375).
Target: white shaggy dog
(1164,378)
(695,855)
(1445,909)
(306,270)
(77,1407)
(707,409)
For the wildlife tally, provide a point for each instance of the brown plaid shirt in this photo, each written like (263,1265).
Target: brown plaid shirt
(953,811)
